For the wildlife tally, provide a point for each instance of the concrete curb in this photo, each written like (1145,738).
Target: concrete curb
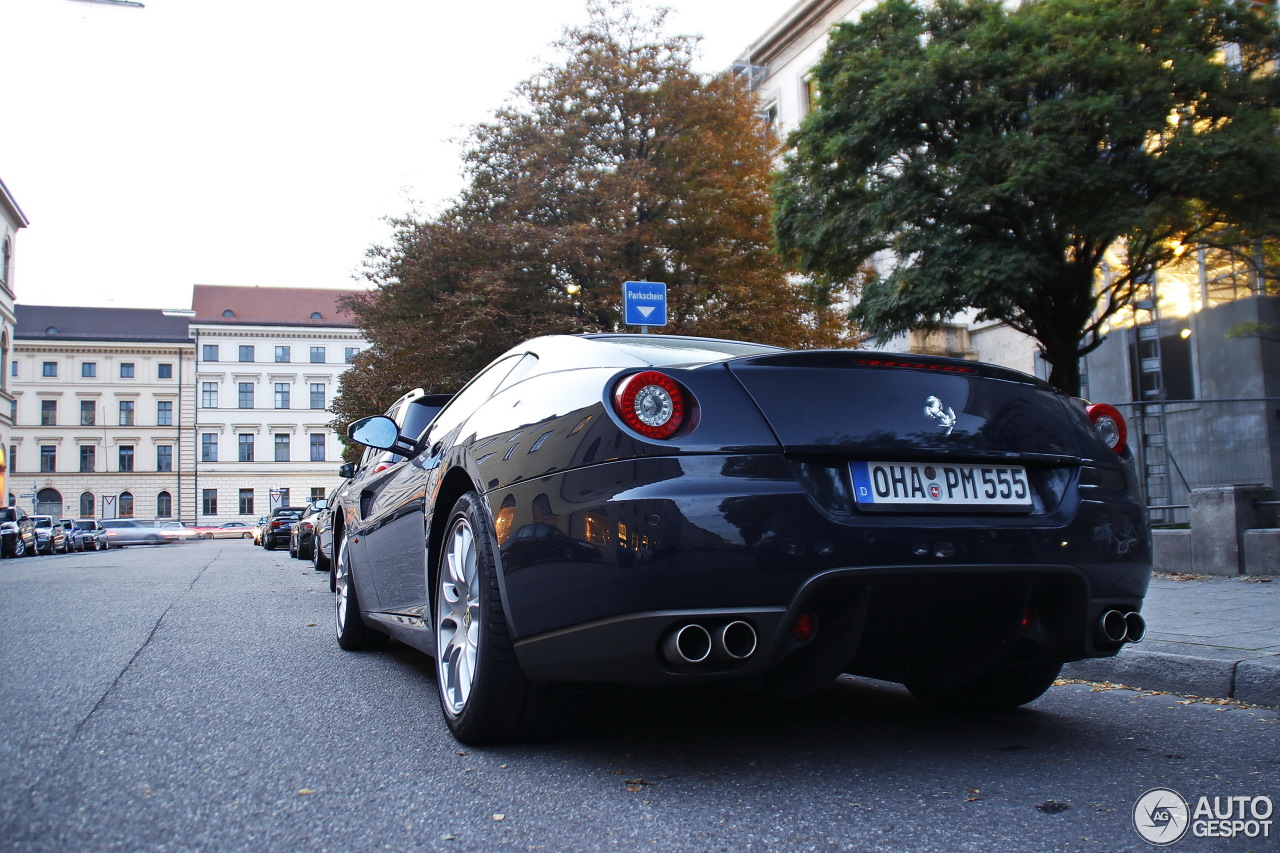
(1209,672)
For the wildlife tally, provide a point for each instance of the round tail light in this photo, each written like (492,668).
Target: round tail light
(651,403)
(1110,425)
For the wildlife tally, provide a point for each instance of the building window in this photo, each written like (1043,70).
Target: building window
(350,355)
(208,447)
(88,459)
(317,395)
(282,354)
(125,503)
(282,395)
(88,412)
(245,441)
(164,371)
(48,458)
(246,395)
(317,493)
(228,313)
(164,505)
(126,413)
(89,370)
(317,447)
(284,498)
(126,370)
(126,457)
(317,355)
(164,458)
(13,368)
(208,395)
(282,448)
(210,352)
(48,413)
(164,413)
(49,368)
(86,504)
(246,352)
(208,501)
(246,501)
(316,315)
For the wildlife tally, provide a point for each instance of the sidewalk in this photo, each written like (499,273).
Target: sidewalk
(1217,637)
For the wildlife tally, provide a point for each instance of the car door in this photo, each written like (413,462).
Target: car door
(388,501)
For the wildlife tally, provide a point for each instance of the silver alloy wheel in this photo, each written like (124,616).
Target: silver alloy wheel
(458,617)
(342,583)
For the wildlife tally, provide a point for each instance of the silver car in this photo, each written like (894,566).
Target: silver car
(128,531)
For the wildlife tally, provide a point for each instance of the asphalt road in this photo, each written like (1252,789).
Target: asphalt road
(192,697)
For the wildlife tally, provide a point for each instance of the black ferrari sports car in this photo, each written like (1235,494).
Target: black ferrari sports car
(653,509)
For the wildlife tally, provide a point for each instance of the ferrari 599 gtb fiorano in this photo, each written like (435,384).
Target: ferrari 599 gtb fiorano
(657,510)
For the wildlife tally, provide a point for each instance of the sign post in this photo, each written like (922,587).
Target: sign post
(644,304)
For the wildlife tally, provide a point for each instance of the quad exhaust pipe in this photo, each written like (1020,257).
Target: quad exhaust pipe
(694,643)
(1117,627)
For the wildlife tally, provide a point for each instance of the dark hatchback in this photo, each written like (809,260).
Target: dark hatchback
(662,510)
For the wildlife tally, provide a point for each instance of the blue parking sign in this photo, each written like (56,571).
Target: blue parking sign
(644,303)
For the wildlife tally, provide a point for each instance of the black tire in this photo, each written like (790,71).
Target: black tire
(353,633)
(18,548)
(1003,688)
(293,552)
(318,560)
(484,694)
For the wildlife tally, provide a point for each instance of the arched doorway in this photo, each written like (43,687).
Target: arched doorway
(125,505)
(49,502)
(86,505)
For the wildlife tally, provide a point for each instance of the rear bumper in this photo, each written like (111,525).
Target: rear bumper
(603,576)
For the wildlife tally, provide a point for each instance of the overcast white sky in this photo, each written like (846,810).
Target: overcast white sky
(259,142)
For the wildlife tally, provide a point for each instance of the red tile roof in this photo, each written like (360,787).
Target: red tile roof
(292,306)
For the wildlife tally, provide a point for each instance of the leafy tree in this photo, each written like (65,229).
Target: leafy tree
(620,163)
(994,155)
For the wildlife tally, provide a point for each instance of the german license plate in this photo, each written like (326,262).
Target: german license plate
(941,486)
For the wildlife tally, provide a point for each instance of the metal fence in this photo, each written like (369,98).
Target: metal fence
(1185,444)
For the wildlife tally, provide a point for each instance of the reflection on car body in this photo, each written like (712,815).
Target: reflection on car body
(655,509)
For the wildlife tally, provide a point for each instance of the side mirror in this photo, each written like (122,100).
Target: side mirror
(378,431)
(321,504)
(347,470)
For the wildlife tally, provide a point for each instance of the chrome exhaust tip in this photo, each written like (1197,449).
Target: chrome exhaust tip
(1113,626)
(1135,627)
(735,641)
(688,644)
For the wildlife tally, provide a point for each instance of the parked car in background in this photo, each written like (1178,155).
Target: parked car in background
(95,535)
(302,536)
(322,535)
(130,531)
(227,530)
(260,529)
(75,534)
(51,536)
(280,527)
(17,536)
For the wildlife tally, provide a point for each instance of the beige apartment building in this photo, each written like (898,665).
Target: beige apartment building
(11,220)
(206,415)
(102,412)
(267,363)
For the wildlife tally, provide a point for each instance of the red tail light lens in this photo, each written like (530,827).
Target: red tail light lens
(1110,425)
(651,403)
